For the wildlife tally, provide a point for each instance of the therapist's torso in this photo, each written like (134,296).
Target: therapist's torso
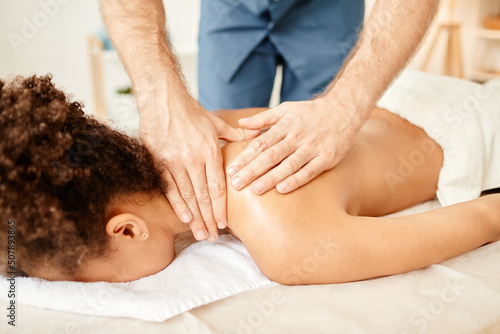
(313,36)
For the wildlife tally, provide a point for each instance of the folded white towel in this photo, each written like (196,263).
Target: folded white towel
(202,273)
(463,117)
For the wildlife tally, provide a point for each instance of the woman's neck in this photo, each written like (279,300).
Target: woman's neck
(166,214)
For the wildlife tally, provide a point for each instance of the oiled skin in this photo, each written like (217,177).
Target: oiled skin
(314,235)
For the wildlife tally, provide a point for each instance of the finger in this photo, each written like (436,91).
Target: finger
(175,199)
(263,163)
(227,132)
(187,192)
(217,189)
(286,168)
(303,176)
(199,178)
(258,145)
(264,118)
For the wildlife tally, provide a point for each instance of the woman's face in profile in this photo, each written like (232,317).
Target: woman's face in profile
(118,267)
(131,255)
(128,266)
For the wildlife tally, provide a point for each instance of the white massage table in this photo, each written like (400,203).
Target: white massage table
(461,295)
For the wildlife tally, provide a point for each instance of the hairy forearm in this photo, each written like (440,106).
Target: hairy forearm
(137,30)
(391,35)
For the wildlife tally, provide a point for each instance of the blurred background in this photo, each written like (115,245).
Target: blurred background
(67,38)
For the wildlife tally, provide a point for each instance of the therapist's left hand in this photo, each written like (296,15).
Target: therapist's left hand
(305,139)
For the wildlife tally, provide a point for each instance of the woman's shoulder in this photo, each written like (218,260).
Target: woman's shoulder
(231,150)
(244,204)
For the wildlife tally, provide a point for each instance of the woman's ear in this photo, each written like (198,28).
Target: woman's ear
(127,226)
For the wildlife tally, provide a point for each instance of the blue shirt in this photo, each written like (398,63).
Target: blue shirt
(313,36)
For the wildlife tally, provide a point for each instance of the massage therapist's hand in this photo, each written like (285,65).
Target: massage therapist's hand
(305,139)
(184,143)
(181,135)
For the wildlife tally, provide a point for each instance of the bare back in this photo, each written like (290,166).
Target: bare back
(392,165)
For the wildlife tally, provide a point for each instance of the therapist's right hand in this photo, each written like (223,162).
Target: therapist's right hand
(183,138)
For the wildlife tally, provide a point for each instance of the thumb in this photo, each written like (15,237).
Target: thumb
(227,132)
(265,118)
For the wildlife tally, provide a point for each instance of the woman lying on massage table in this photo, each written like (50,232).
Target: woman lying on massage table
(88,204)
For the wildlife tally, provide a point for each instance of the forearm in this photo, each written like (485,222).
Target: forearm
(391,35)
(137,30)
(365,247)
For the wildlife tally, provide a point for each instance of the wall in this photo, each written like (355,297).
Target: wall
(464,14)
(48,36)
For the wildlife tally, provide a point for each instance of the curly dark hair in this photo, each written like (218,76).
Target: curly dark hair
(60,170)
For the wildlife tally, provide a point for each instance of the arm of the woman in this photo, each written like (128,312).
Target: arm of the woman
(357,248)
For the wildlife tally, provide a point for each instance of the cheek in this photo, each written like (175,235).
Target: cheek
(160,258)
(145,265)
(128,264)
(164,260)
(152,257)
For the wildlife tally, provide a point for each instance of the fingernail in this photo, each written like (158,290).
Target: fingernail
(237,182)
(211,237)
(221,225)
(231,170)
(200,235)
(258,187)
(244,120)
(185,218)
(282,187)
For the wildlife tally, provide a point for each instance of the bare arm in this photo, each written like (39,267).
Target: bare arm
(179,132)
(138,32)
(300,139)
(393,32)
(358,248)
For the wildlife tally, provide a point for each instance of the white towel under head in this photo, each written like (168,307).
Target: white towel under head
(202,273)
